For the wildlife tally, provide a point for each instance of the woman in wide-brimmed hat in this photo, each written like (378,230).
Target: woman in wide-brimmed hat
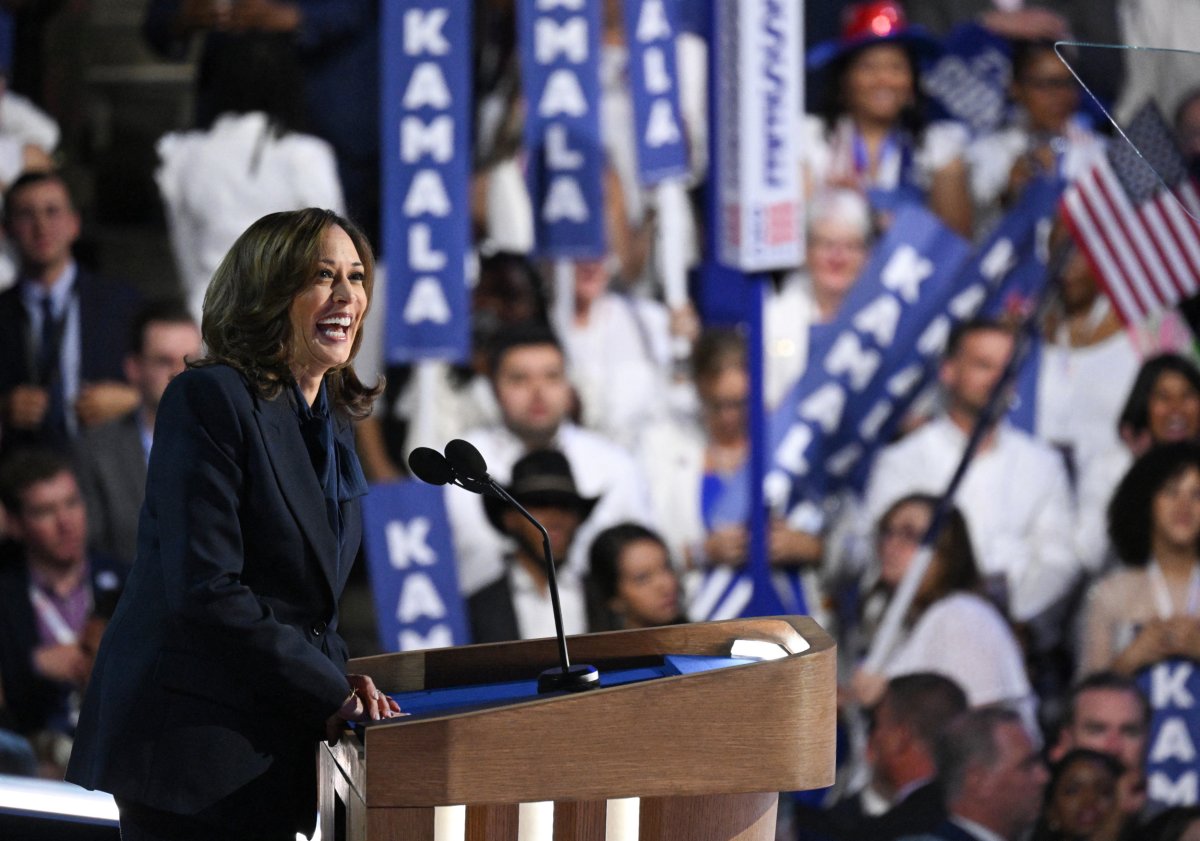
(871,135)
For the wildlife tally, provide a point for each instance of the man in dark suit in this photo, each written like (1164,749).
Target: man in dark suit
(992,775)
(111,458)
(903,796)
(53,599)
(517,605)
(63,330)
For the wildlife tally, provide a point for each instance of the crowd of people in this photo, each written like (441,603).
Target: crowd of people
(1068,563)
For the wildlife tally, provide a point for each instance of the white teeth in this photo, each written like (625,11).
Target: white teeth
(338,320)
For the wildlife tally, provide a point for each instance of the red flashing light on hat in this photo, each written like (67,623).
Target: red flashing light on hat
(865,24)
(873,19)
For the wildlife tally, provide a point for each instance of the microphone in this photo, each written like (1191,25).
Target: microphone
(468,465)
(467,460)
(430,466)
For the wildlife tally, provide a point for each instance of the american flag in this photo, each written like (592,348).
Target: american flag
(1128,215)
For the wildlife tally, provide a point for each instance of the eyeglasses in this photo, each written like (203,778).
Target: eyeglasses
(902,534)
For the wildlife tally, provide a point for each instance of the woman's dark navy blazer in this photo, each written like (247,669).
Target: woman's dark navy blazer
(222,661)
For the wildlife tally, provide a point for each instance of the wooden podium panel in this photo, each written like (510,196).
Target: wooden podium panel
(761,727)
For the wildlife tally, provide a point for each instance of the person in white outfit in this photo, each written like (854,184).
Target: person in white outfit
(528,374)
(619,352)
(1148,610)
(1085,344)
(839,241)
(250,162)
(1046,135)
(1015,495)
(950,629)
(28,136)
(872,135)
(694,472)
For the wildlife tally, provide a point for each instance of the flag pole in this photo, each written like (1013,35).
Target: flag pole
(898,607)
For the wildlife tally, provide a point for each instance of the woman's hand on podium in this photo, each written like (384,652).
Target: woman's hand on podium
(365,703)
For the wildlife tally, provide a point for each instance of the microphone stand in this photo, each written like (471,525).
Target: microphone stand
(567,677)
(467,469)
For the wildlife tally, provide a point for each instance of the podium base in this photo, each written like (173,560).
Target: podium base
(576,678)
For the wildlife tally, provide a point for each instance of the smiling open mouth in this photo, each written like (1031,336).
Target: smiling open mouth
(335,327)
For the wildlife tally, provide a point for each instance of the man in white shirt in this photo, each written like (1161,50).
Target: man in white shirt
(1015,494)
(529,378)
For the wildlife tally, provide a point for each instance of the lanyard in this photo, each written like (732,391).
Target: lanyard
(1162,594)
(862,161)
(893,167)
(52,617)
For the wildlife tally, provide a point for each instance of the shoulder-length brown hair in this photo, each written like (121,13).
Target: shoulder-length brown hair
(954,560)
(246,320)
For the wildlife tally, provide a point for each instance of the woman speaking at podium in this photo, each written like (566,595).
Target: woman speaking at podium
(222,667)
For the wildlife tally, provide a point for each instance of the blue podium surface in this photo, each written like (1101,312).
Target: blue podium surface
(458,699)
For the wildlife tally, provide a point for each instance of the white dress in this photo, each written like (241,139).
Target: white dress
(1073,413)
(963,637)
(1071,410)
(671,453)
(215,183)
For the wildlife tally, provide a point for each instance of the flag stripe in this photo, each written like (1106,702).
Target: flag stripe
(1122,264)
(710,592)
(1155,272)
(1186,233)
(1096,249)
(735,600)
(1114,234)
(1154,219)
(1190,198)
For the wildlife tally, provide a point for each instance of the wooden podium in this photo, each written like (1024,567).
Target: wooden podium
(706,752)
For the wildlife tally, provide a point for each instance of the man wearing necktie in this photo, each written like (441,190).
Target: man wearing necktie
(63,330)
